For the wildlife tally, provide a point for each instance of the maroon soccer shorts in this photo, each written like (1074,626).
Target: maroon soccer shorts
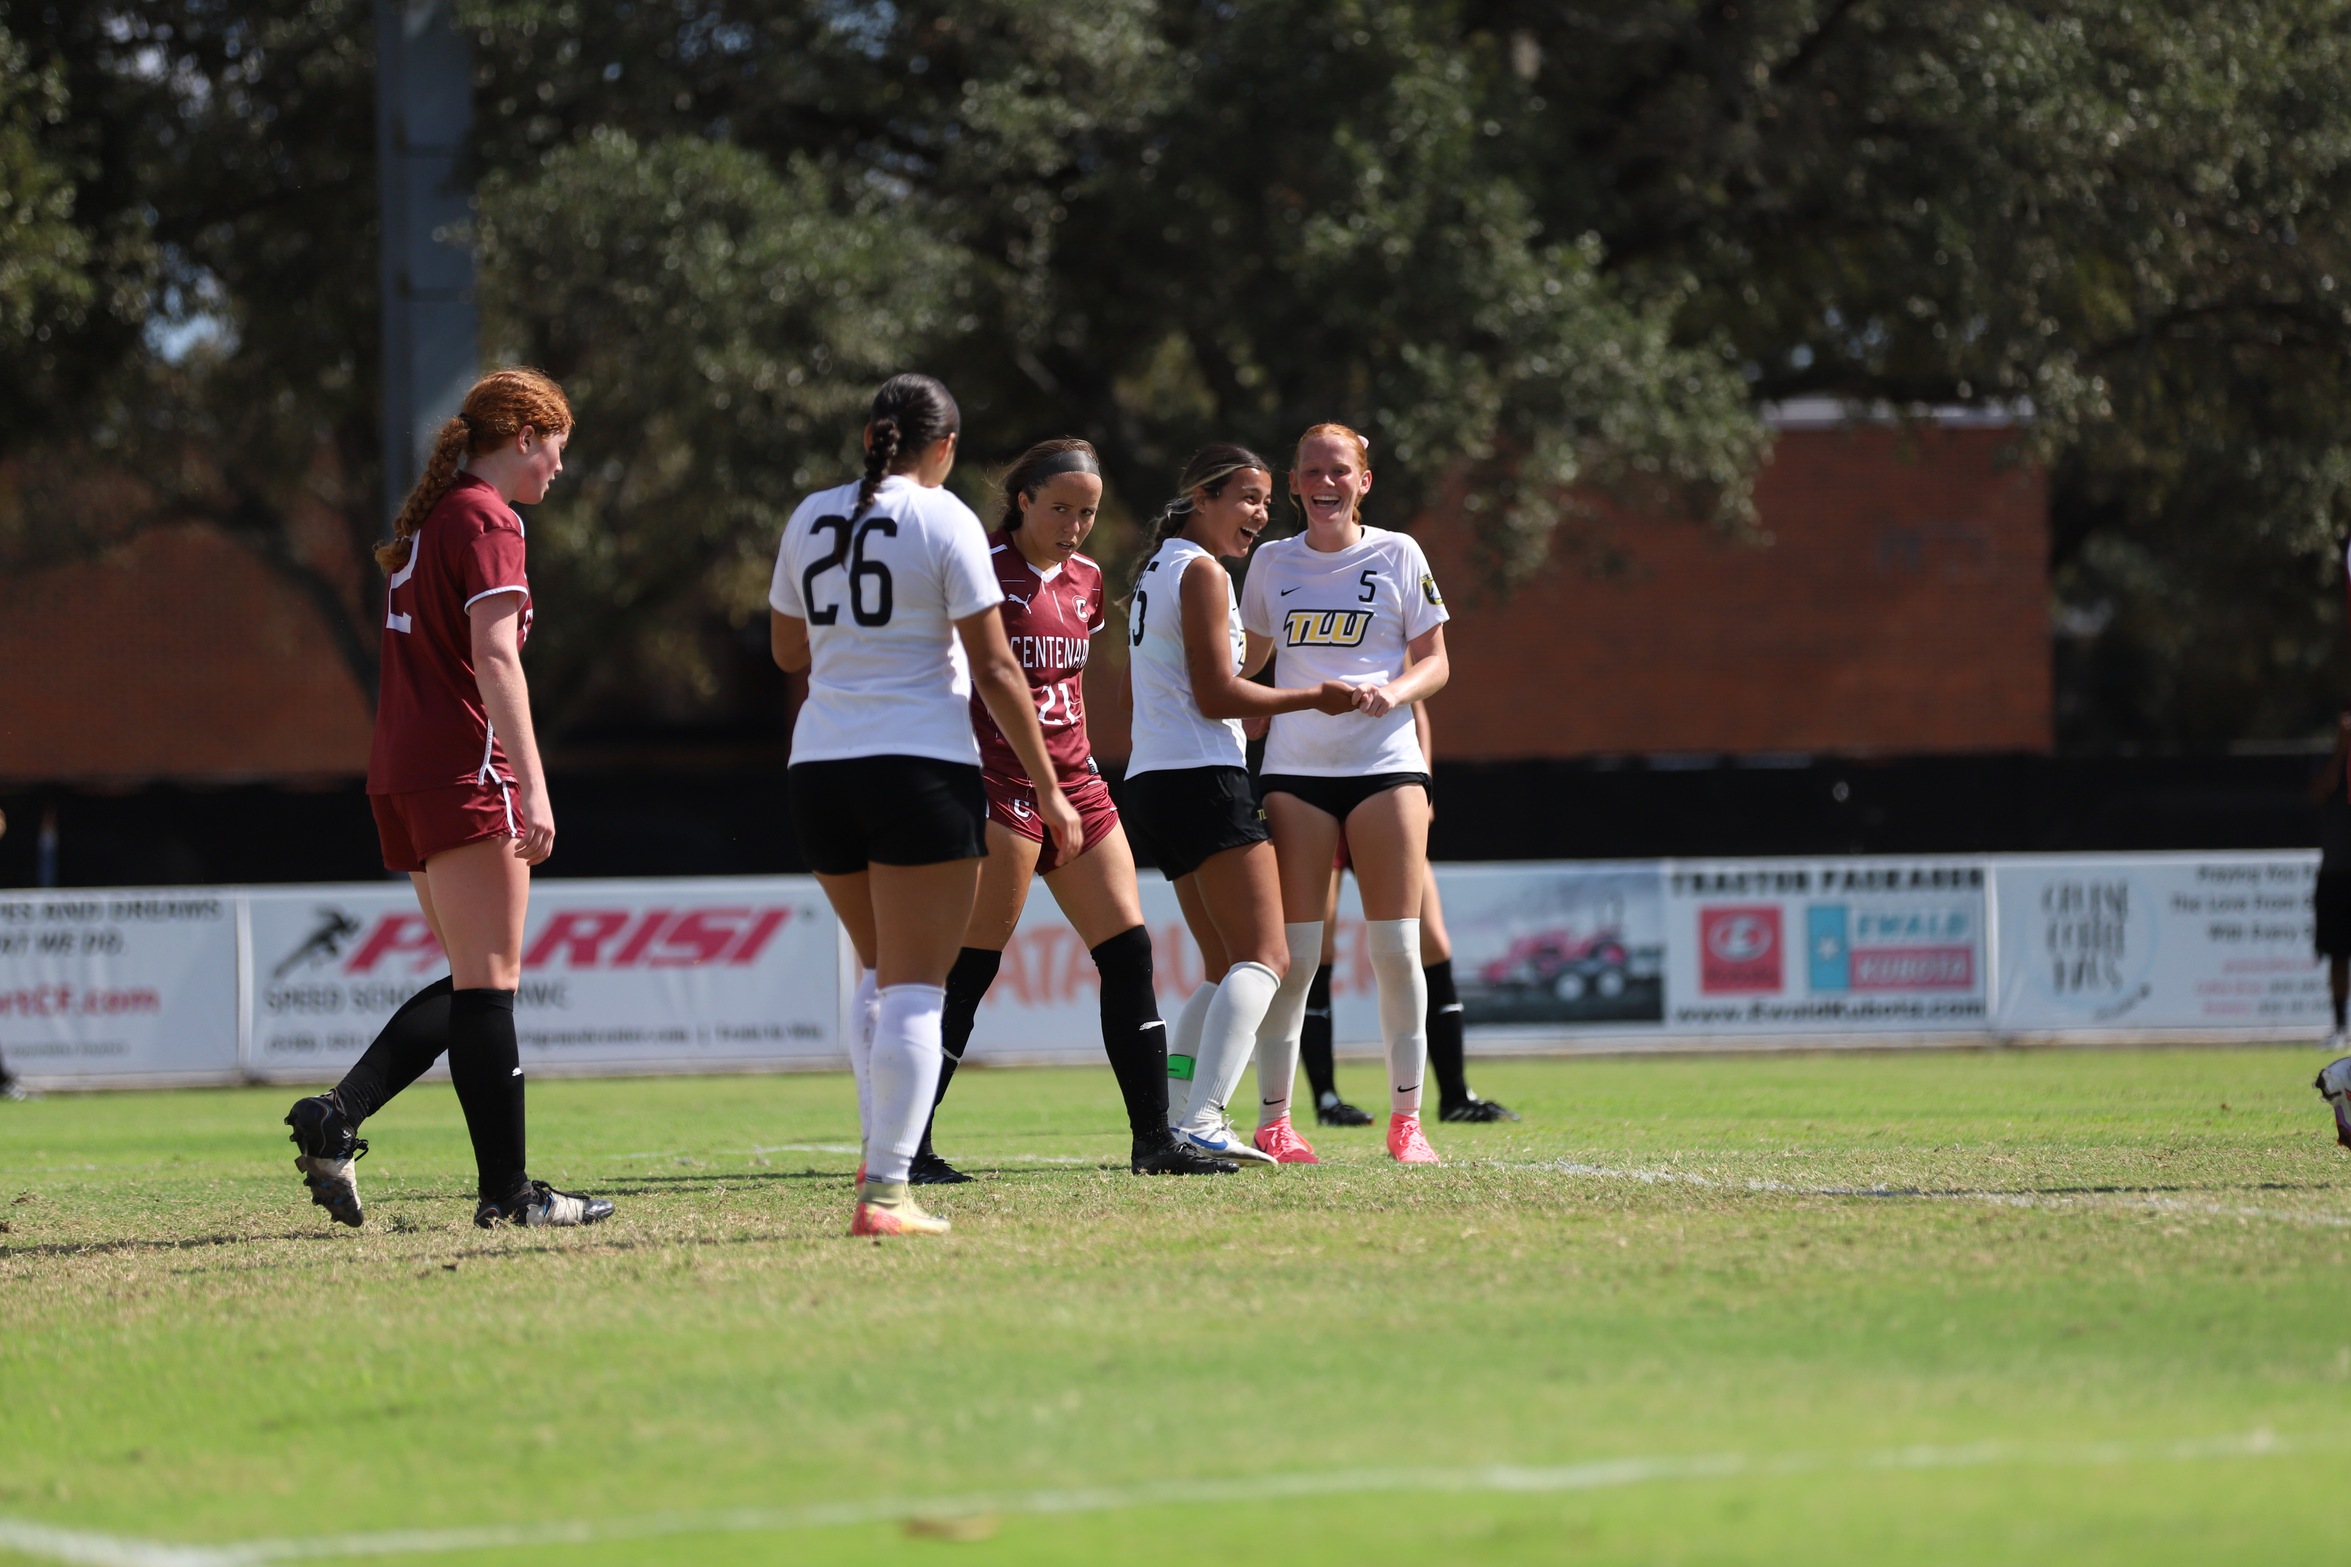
(1012,802)
(415,826)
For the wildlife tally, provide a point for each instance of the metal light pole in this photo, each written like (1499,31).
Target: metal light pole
(424,114)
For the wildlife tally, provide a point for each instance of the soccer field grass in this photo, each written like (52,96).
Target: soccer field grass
(2079,1307)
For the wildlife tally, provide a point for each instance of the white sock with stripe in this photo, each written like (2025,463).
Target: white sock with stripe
(1404,1003)
(1183,1050)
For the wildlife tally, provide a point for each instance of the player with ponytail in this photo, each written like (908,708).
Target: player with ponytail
(1188,793)
(1052,609)
(460,799)
(885,594)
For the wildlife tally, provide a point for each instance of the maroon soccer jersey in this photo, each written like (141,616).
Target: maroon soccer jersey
(430,729)
(1051,626)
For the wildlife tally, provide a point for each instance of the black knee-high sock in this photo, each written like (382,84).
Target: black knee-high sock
(1133,1036)
(1444,1030)
(1314,1037)
(486,1065)
(406,1048)
(967,985)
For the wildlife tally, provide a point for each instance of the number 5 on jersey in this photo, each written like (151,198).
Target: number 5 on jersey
(851,550)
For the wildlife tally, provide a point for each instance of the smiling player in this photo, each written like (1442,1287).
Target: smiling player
(1052,608)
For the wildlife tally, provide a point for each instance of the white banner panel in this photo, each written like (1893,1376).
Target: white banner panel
(2187,941)
(617,975)
(1046,999)
(1877,946)
(118,985)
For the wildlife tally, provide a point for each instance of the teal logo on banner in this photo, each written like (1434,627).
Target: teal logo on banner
(1828,945)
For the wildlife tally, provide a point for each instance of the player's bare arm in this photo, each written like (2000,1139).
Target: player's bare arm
(787,642)
(497,662)
(1423,678)
(1215,687)
(997,676)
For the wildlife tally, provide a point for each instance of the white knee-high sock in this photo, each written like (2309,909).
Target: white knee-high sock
(1183,1050)
(1226,1034)
(862,1009)
(1404,1005)
(904,1074)
(1277,1036)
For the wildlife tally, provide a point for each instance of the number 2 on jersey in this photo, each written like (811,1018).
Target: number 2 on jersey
(851,550)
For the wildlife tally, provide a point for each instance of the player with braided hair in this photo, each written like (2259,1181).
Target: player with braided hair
(1188,793)
(1052,609)
(884,593)
(460,799)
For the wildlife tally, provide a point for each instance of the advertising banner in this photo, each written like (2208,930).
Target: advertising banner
(1546,947)
(1879,946)
(617,975)
(2171,941)
(118,985)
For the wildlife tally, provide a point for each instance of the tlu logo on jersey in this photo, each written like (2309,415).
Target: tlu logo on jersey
(1327,627)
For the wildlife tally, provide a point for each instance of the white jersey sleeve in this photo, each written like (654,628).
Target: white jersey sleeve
(1170,731)
(1347,615)
(887,675)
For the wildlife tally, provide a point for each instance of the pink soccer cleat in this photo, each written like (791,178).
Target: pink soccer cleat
(885,1209)
(1282,1142)
(1406,1145)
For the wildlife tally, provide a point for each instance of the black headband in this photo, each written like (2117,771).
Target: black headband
(1076,460)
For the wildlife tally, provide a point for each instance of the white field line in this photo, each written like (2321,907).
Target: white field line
(86,1549)
(2150,1202)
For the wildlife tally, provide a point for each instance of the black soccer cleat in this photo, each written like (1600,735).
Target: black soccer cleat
(1474,1109)
(928,1169)
(539,1205)
(1169,1154)
(1331,1110)
(328,1147)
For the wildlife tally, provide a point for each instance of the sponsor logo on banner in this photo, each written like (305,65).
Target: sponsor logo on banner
(1889,949)
(1739,951)
(622,973)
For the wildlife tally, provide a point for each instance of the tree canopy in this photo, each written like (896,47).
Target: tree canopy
(1536,251)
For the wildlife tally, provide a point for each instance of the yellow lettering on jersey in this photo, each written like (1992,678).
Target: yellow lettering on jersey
(1327,627)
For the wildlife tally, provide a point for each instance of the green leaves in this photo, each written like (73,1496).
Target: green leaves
(718,323)
(42,252)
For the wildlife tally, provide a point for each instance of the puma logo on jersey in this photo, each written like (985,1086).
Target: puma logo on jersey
(1326,627)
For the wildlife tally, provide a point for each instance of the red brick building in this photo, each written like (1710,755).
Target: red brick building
(1896,601)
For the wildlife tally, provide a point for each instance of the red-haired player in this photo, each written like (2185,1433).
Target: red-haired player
(1052,609)
(460,800)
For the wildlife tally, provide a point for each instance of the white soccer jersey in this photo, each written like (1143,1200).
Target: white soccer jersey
(1170,731)
(887,675)
(1347,615)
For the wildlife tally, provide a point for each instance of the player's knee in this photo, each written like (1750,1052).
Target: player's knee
(1125,956)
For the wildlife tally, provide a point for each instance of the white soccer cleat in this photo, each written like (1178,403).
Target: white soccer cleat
(1221,1141)
(2334,1085)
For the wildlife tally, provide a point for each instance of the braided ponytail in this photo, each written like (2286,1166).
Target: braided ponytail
(1209,471)
(500,407)
(440,471)
(911,414)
